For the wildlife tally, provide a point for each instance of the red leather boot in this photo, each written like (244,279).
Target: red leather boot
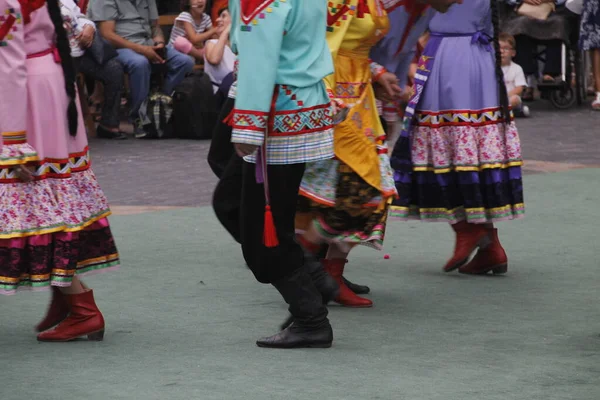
(491,258)
(57,311)
(468,238)
(84,320)
(346,297)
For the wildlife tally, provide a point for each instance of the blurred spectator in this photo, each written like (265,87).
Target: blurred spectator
(216,6)
(90,56)
(529,33)
(132,27)
(219,59)
(589,39)
(194,25)
(514,78)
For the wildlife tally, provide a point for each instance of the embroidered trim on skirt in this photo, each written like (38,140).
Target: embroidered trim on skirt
(459,170)
(54,227)
(358,215)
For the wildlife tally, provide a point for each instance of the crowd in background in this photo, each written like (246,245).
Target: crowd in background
(111,39)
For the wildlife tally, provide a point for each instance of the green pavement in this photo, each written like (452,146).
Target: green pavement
(183,314)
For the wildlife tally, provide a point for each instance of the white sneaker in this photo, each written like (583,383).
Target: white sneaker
(525,110)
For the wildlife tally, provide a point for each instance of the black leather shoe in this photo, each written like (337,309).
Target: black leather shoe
(297,336)
(356,288)
(106,134)
(310,326)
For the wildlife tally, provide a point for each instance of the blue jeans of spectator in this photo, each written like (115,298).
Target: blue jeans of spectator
(139,69)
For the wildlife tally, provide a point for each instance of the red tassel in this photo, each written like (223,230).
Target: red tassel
(269,234)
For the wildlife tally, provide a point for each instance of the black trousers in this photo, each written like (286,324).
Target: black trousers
(221,149)
(112,76)
(239,203)
(227,197)
(527,49)
(271,264)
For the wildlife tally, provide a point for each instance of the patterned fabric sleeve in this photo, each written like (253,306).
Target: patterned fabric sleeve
(13,83)
(340,14)
(376,71)
(258,43)
(81,17)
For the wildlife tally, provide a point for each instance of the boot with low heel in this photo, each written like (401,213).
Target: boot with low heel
(346,297)
(310,327)
(84,320)
(490,258)
(324,283)
(355,287)
(469,237)
(57,311)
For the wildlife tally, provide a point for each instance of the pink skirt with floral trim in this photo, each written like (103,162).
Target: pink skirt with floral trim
(55,226)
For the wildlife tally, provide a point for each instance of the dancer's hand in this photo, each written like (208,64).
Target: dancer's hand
(389,82)
(334,107)
(407,93)
(244,150)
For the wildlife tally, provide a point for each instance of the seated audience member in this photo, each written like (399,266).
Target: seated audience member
(219,60)
(82,36)
(514,77)
(132,27)
(194,25)
(530,32)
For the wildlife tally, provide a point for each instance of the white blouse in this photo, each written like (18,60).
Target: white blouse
(216,73)
(74,22)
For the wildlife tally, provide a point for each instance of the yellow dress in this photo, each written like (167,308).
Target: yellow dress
(347,197)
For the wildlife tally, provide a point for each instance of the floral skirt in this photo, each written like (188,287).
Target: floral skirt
(349,212)
(450,170)
(53,228)
(589,36)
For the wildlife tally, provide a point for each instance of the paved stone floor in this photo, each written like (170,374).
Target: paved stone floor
(183,312)
(174,173)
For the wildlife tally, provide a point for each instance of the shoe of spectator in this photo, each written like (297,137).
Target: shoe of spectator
(521,112)
(138,130)
(103,133)
(596,102)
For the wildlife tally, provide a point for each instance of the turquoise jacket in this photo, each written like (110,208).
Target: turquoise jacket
(281,99)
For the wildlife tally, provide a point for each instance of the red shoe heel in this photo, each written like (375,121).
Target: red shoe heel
(502,269)
(491,258)
(96,336)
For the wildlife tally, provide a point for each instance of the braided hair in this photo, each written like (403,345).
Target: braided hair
(64,50)
(502,94)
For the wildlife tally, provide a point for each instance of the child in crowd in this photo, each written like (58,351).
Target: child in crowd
(192,28)
(514,78)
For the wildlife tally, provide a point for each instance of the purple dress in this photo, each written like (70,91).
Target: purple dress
(395,52)
(455,159)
